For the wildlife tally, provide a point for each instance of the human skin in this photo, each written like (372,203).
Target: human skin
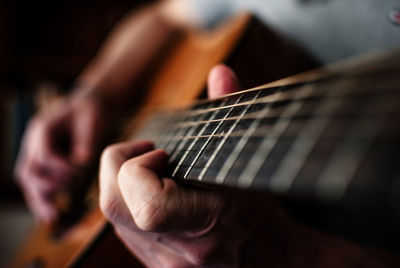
(61,142)
(166,224)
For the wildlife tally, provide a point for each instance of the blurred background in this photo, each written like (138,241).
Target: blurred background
(43,46)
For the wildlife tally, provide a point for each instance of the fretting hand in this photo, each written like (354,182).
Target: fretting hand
(167,225)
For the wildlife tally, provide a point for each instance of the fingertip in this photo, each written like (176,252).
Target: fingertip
(156,159)
(153,161)
(161,153)
(145,145)
(136,148)
(221,81)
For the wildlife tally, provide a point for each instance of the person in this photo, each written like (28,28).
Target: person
(161,222)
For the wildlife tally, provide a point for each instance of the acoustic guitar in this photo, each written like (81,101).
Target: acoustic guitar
(327,138)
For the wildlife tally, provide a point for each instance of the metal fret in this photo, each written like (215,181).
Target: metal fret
(206,143)
(175,144)
(215,153)
(293,138)
(214,114)
(166,129)
(244,139)
(342,166)
(248,174)
(182,143)
(297,155)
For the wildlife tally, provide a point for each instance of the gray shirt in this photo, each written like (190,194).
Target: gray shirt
(328,29)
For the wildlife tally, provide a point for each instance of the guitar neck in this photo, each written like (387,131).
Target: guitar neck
(323,137)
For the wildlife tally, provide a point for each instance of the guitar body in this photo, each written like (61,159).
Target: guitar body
(179,78)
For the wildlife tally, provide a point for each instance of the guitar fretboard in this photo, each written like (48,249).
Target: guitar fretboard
(324,137)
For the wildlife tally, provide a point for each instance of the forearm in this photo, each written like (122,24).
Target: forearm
(129,49)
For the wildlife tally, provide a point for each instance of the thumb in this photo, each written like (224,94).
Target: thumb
(221,81)
(85,135)
(160,204)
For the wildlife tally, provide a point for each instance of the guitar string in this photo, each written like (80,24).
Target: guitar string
(348,138)
(182,144)
(313,97)
(389,83)
(359,138)
(338,92)
(261,131)
(222,142)
(342,166)
(233,156)
(282,137)
(212,135)
(264,149)
(209,139)
(180,114)
(265,100)
(297,155)
(203,129)
(251,115)
(236,182)
(254,115)
(319,80)
(272,117)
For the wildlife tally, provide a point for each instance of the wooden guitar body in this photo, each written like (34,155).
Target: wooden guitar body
(178,80)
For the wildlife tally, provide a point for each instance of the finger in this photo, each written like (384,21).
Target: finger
(34,161)
(45,159)
(221,81)
(43,208)
(84,135)
(38,199)
(160,204)
(111,201)
(37,191)
(40,143)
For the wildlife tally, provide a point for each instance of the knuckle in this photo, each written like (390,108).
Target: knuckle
(126,169)
(130,171)
(150,217)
